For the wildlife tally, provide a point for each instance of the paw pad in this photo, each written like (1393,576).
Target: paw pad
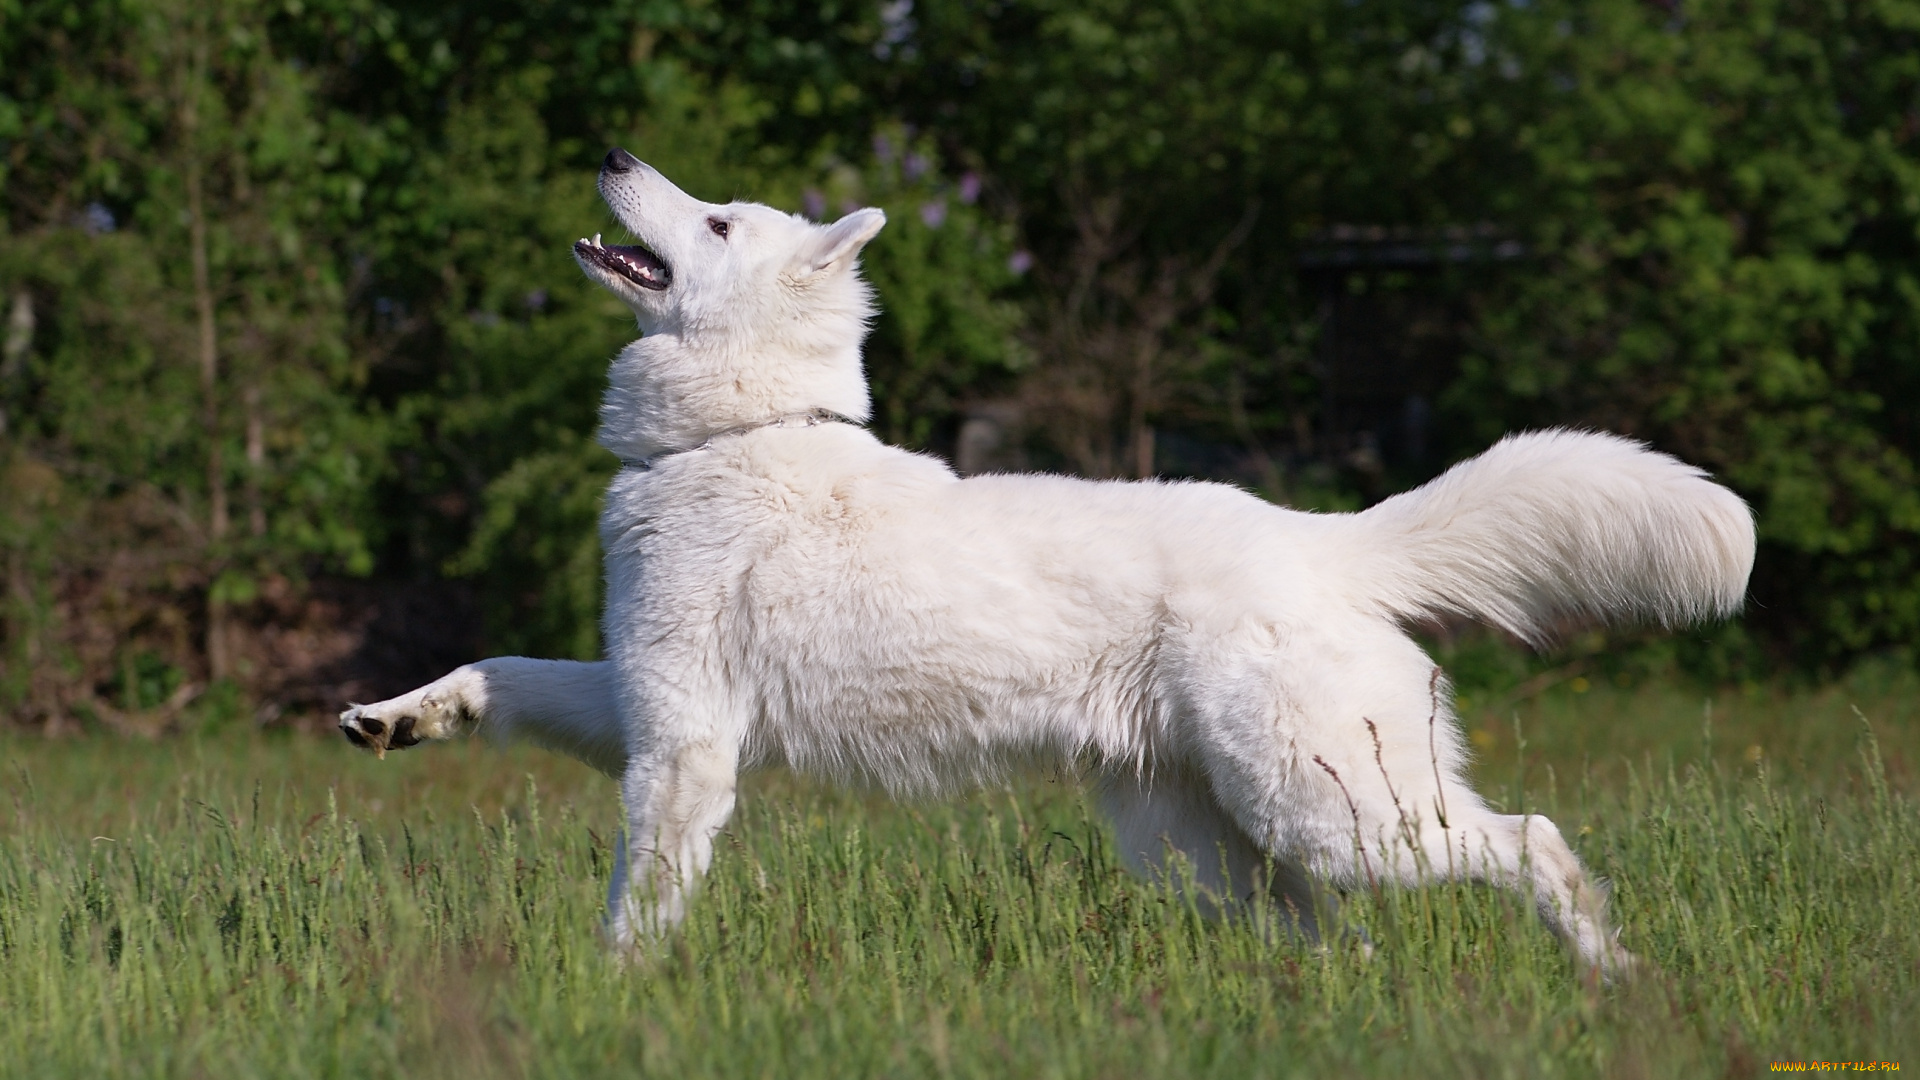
(370,733)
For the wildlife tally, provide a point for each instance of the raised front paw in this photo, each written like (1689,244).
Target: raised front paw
(431,712)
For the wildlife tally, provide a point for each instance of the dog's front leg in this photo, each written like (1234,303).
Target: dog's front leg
(562,705)
(677,797)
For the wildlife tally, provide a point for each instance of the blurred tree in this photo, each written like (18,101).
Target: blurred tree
(1168,165)
(1724,202)
(287,292)
(162,200)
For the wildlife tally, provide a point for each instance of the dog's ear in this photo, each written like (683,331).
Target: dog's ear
(839,242)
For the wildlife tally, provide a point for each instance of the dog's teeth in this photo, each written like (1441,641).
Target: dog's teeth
(596,239)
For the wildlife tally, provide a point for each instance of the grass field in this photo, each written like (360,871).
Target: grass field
(261,905)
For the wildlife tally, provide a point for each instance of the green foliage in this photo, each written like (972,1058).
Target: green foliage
(177,351)
(1724,209)
(945,331)
(289,907)
(107,378)
(1709,213)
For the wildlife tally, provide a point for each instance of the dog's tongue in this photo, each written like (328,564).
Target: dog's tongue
(630,261)
(640,263)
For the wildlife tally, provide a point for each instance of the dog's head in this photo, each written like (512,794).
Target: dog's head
(748,313)
(703,269)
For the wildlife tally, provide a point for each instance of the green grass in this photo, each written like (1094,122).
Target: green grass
(281,906)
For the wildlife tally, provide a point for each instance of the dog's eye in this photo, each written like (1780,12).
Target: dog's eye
(718,226)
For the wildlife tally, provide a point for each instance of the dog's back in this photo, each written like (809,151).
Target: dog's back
(883,620)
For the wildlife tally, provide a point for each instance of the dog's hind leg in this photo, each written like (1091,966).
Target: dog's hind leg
(1528,854)
(676,799)
(1361,826)
(1171,815)
(562,705)
(1348,758)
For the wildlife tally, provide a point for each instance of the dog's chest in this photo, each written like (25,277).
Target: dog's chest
(727,558)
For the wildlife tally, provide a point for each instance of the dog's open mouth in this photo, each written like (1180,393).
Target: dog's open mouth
(635,263)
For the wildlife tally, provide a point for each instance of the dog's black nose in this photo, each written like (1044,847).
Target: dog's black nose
(619,160)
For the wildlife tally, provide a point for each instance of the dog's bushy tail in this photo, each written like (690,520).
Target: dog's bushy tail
(1553,526)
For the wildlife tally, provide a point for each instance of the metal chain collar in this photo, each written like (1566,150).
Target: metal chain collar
(810,418)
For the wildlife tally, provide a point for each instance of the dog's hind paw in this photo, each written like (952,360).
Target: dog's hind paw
(1617,966)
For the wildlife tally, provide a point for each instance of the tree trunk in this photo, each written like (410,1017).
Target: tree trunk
(217,518)
(1140,441)
(13,354)
(1140,398)
(256,462)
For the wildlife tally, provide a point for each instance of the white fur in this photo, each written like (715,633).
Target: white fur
(1233,673)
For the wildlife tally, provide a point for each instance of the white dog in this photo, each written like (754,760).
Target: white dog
(785,589)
